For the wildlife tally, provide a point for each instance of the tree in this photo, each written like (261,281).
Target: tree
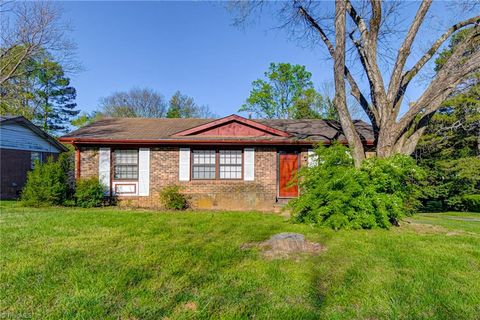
(183,106)
(313,105)
(85,118)
(394,133)
(286,93)
(54,98)
(28,31)
(450,147)
(137,102)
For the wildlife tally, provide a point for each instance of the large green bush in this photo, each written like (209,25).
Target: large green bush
(89,193)
(173,199)
(47,184)
(336,194)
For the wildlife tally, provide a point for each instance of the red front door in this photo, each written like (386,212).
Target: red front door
(287,180)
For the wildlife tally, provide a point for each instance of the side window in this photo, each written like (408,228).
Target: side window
(125,165)
(230,164)
(203,164)
(34,158)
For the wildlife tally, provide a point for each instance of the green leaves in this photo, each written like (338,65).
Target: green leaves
(336,194)
(287,92)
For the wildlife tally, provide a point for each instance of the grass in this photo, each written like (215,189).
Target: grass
(67,263)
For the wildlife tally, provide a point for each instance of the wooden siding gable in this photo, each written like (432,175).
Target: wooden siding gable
(232,126)
(19,137)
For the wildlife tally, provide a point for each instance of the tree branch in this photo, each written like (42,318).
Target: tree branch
(355,90)
(394,86)
(453,72)
(407,77)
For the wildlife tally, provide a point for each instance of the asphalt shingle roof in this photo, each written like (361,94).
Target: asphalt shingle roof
(314,130)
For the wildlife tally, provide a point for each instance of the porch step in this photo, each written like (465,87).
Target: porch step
(279,206)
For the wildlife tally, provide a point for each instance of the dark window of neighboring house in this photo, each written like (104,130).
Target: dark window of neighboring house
(125,165)
(230,164)
(34,158)
(203,164)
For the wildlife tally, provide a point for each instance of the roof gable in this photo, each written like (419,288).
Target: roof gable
(26,135)
(232,126)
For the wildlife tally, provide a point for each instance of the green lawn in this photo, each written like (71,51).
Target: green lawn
(118,264)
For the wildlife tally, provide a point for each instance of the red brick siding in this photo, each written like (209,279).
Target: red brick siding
(259,194)
(14,166)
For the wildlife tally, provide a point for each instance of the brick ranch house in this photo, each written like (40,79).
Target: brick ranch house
(232,163)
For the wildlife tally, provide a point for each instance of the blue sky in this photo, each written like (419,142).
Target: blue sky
(186,46)
(193,47)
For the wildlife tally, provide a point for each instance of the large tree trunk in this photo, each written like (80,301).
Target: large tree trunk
(393,134)
(340,99)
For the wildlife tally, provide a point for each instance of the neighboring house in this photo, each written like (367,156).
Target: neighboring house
(228,163)
(21,144)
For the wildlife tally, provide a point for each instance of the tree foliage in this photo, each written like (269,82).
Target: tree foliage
(135,103)
(183,106)
(43,95)
(53,97)
(450,148)
(287,92)
(336,194)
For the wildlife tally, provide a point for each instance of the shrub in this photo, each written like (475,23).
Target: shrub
(47,184)
(172,199)
(450,180)
(336,194)
(471,202)
(89,193)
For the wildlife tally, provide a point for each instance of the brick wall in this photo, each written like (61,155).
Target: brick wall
(88,162)
(259,194)
(14,166)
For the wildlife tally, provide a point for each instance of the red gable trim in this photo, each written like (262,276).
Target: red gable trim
(233,117)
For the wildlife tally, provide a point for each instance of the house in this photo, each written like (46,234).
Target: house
(21,144)
(227,163)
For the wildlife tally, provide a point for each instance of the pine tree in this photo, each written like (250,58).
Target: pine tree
(54,97)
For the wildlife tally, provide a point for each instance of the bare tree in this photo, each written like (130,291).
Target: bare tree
(371,23)
(137,103)
(29,30)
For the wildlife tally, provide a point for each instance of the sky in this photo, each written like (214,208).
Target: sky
(194,47)
(168,46)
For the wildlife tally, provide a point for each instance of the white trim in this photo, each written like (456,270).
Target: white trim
(144,171)
(104,168)
(184,164)
(249,164)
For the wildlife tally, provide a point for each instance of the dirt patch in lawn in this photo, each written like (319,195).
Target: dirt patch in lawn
(286,245)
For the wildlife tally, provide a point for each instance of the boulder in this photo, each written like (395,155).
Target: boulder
(286,244)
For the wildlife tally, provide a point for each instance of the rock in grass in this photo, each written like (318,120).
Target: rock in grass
(286,244)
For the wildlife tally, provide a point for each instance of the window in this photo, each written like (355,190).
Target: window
(125,165)
(230,164)
(34,157)
(203,164)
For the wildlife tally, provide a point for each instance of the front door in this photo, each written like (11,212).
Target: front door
(287,175)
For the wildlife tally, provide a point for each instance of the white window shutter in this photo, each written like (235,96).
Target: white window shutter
(144,172)
(184,165)
(104,168)
(249,164)
(312,159)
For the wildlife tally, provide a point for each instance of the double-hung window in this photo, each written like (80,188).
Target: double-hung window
(204,164)
(217,164)
(125,165)
(230,164)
